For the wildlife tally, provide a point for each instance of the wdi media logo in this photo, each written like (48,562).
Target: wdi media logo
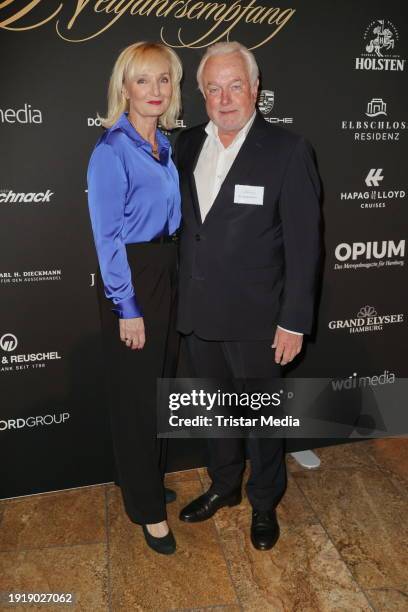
(380,39)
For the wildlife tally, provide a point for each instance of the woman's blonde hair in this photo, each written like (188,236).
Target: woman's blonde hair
(129,62)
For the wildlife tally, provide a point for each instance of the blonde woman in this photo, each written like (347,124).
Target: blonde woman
(134,204)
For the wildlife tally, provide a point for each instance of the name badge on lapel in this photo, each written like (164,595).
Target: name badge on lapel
(249,194)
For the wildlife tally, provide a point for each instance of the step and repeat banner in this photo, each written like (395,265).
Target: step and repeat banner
(335,72)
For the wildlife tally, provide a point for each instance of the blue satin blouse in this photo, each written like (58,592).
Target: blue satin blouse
(132,197)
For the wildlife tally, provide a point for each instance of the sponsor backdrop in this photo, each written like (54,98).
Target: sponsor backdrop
(331,71)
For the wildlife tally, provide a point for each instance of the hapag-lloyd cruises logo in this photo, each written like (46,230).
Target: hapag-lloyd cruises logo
(380,38)
(13,362)
(375,197)
(219,19)
(366,320)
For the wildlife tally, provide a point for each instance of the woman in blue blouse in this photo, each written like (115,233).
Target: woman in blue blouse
(134,204)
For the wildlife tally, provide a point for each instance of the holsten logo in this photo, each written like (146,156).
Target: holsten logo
(27,114)
(366,320)
(376,129)
(360,382)
(376,254)
(266,102)
(12,197)
(34,421)
(374,198)
(24,361)
(380,40)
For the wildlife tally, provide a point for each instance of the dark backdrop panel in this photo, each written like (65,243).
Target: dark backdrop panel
(54,430)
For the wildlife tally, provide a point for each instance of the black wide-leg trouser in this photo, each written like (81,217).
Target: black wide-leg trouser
(131,379)
(226,461)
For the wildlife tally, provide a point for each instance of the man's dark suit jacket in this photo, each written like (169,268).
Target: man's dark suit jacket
(250,267)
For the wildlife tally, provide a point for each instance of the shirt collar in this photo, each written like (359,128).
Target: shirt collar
(212,131)
(125,126)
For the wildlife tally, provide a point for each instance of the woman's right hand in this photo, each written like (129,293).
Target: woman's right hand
(132,332)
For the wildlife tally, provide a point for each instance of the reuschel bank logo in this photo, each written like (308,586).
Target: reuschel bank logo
(377,129)
(373,198)
(24,361)
(266,102)
(380,39)
(366,320)
(24,115)
(377,254)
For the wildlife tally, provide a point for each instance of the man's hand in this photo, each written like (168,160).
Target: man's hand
(132,332)
(286,345)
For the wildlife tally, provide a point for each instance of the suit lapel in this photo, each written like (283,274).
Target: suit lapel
(195,148)
(248,155)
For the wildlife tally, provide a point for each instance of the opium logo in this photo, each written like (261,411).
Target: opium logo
(8,342)
(369,250)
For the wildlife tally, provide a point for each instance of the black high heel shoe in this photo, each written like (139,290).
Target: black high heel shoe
(165,545)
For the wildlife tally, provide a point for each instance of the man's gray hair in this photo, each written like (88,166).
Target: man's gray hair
(225,48)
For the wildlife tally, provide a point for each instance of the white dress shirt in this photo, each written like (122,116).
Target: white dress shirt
(213,165)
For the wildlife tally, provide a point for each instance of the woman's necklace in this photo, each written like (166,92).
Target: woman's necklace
(155,146)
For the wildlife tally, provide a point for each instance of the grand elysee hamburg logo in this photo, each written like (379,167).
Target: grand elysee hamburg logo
(380,42)
(367,319)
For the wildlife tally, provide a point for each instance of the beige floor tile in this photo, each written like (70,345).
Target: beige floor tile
(64,518)
(78,569)
(391,455)
(388,600)
(341,455)
(196,576)
(365,516)
(181,476)
(302,573)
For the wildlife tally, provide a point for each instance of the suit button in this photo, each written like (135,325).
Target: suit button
(198,237)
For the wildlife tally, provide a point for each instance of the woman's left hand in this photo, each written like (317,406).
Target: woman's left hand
(132,332)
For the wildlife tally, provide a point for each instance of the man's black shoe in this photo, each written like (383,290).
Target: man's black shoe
(205,506)
(264,529)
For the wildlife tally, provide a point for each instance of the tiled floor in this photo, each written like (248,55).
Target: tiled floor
(343,545)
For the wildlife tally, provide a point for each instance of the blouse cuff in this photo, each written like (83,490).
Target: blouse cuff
(128,309)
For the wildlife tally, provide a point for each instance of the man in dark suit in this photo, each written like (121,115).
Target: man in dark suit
(248,266)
